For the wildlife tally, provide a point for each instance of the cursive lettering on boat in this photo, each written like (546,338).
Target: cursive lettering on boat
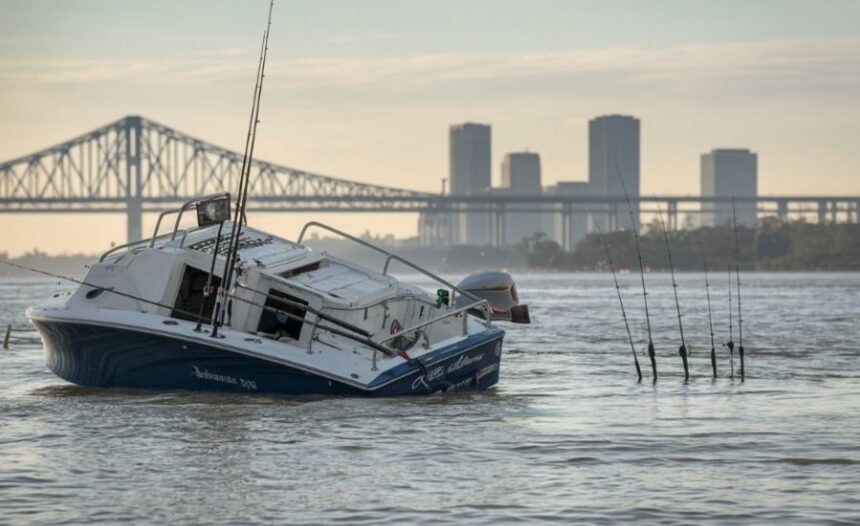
(204,374)
(464,361)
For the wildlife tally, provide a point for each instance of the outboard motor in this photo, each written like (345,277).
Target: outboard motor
(499,290)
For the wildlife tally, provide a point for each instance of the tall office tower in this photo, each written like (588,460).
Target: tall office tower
(613,155)
(727,173)
(521,176)
(469,168)
(569,230)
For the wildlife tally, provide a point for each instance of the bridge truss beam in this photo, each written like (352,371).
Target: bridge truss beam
(136,166)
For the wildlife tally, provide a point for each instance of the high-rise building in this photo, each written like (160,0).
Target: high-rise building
(729,173)
(521,176)
(613,157)
(469,170)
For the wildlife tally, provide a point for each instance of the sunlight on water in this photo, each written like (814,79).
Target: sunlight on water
(567,436)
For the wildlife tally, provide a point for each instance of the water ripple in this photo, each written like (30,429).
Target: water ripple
(567,437)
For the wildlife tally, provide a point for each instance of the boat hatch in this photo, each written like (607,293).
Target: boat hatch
(280,325)
(190,297)
(301,270)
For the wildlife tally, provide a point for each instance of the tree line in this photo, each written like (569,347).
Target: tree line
(774,245)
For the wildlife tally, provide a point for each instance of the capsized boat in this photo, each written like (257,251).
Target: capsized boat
(298,320)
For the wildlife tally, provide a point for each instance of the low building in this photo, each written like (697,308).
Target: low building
(729,173)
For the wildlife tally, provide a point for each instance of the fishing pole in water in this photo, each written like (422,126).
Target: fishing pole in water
(682,350)
(731,344)
(620,301)
(738,275)
(651,351)
(710,318)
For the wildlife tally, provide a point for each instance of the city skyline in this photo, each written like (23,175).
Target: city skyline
(366,93)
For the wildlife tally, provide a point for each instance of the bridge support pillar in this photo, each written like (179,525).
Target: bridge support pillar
(134,222)
(672,211)
(566,216)
(134,200)
(497,224)
(782,209)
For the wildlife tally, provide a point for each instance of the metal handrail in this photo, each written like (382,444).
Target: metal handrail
(396,299)
(127,245)
(192,229)
(423,324)
(387,253)
(185,207)
(155,236)
(180,211)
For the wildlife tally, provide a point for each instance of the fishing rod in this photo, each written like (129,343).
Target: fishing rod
(207,290)
(228,269)
(651,351)
(221,307)
(682,350)
(731,344)
(738,275)
(620,302)
(710,318)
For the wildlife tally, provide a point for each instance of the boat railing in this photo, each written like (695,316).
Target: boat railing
(414,329)
(180,211)
(431,321)
(420,327)
(390,256)
(397,299)
(148,241)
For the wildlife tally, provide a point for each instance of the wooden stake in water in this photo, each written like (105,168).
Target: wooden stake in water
(6,338)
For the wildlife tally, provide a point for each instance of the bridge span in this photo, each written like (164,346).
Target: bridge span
(136,166)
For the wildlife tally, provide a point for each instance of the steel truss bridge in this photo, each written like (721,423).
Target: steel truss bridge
(136,166)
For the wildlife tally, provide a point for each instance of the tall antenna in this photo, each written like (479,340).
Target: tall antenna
(738,275)
(731,344)
(710,318)
(620,301)
(682,350)
(221,307)
(651,352)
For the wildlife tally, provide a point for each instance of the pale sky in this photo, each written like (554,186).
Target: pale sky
(365,90)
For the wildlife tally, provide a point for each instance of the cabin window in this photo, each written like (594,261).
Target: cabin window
(288,322)
(190,296)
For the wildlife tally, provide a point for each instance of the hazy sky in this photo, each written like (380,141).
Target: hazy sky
(365,90)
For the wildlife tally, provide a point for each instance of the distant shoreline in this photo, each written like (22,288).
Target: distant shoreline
(774,246)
